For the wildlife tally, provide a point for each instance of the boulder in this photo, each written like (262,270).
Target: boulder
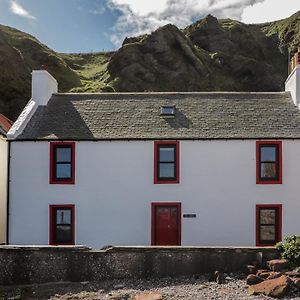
(276,288)
(274,275)
(292,274)
(261,271)
(148,296)
(296,282)
(220,278)
(251,269)
(253,279)
(265,275)
(278,265)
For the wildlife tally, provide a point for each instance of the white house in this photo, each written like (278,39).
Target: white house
(155,168)
(5,125)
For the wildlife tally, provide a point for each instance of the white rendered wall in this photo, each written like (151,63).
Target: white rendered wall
(292,85)
(3,185)
(114,190)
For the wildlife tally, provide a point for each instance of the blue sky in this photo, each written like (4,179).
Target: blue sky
(96,25)
(64,25)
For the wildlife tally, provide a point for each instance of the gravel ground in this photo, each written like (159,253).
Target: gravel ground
(170,288)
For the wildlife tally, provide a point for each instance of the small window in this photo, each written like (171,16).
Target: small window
(268,222)
(62,224)
(166,156)
(268,168)
(168,111)
(62,163)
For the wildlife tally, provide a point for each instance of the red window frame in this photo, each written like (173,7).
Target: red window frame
(279,229)
(52,179)
(259,180)
(159,204)
(51,223)
(157,144)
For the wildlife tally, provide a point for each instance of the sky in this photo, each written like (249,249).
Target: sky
(73,26)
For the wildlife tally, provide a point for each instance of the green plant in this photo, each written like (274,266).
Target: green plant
(289,249)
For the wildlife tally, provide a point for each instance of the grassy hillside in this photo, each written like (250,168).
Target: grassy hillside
(209,55)
(287,30)
(20,53)
(91,69)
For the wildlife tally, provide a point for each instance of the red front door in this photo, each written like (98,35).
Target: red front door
(166,227)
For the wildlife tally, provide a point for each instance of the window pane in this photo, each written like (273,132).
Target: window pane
(63,154)
(167,154)
(63,171)
(167,170)
(268,170)
(267,216)
(63,233)
(168,110)
(268,154)
(63,216)
(267,233)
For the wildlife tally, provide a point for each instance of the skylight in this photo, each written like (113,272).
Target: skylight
(168,111)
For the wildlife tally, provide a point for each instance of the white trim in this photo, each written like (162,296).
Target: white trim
(22,120)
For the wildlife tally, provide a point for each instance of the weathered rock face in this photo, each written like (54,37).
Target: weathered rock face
(209,55)
(276,288)
(166,60)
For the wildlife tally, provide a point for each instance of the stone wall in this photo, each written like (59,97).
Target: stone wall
(26,265)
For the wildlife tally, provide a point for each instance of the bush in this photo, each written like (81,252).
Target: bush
(290,249)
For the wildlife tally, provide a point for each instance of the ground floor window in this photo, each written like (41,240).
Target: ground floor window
(62,223)
(268,224)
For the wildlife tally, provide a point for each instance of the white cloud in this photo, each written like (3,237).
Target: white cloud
(17,9)
(141,7)
(143,16)
(270,10)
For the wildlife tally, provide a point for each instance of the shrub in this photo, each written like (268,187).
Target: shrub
(290,249)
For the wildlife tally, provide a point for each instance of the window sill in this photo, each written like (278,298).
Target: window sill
(166,181)
(62,182)
(269,182)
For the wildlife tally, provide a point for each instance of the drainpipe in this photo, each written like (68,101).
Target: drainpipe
(7,193)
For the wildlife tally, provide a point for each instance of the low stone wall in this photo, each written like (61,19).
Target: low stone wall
(27,265)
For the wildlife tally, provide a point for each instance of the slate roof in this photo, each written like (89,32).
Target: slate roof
(137,116)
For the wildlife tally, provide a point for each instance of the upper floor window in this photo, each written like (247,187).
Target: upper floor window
(62,163)
(269,162)
(166,162)
(62,225)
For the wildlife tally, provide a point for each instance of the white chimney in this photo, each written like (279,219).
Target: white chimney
(43,86)
(292,85)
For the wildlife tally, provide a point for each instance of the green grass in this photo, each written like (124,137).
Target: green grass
(287,31)
(91,69)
